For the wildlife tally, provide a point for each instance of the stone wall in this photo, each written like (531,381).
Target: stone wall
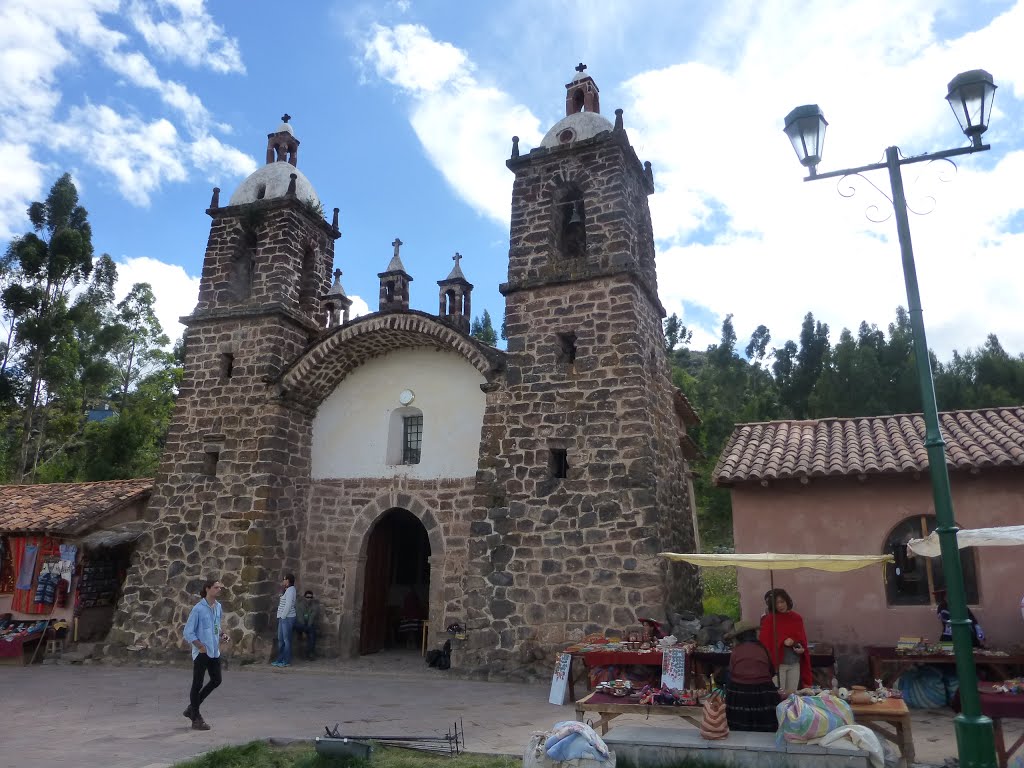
(229,497)
(553,558)
(341,516)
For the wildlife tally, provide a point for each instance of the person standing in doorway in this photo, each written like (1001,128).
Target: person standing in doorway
(308,620)
(285,621)
(203,633)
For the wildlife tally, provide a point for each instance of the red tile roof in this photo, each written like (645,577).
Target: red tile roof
(684,408)
(777,450)
(66,507)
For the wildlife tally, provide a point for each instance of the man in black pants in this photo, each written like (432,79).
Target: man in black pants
(203,633)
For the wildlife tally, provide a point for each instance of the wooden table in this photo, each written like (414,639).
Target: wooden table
(888,712)
(609,707)
(582,661)
(880,655)
(999,707)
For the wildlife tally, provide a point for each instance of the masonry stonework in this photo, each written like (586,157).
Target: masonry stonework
(581,479)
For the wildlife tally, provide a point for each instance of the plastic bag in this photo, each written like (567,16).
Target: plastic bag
(803,718)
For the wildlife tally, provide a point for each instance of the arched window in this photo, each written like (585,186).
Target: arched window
(405,436)
(912,580)
(243,264)
(307,290)
(571,223)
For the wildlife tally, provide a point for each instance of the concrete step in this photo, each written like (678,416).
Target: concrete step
(652,747)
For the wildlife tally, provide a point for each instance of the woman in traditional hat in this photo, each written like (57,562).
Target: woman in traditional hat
(942,611)
(783,634)
(750,694)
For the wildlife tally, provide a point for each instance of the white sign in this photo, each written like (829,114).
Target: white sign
(560,679)
(673,668)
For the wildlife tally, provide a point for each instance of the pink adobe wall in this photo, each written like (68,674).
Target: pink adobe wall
(844,516)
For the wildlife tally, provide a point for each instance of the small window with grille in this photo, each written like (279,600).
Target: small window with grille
(412,438)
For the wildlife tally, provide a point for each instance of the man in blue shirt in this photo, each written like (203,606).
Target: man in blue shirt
(203,633)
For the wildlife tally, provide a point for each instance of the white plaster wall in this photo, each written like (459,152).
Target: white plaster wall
(350,430)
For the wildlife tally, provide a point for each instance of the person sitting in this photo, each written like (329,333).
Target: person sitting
(307,621)
(750,695)
(783,634)
(942,611)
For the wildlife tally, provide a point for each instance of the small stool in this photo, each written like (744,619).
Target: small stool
(55,646)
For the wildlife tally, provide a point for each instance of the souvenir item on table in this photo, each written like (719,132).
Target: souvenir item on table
(859,695)
(1013,686)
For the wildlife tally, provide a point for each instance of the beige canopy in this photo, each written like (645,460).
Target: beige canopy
(771,561)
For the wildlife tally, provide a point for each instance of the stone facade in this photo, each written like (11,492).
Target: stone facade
(581,480)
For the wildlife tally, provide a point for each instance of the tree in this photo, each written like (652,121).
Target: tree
(758,346)
(482,330)
(48,263)
(675,333)
(140,347)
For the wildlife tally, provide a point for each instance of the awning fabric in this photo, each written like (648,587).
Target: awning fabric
(1004,536)
(771,561)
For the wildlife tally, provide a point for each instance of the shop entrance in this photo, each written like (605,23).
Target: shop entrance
(396,584)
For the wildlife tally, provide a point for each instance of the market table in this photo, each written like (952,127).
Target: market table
(888,712)
(609,707)
(649,658)
(702,661)
(999,707)
(881,655)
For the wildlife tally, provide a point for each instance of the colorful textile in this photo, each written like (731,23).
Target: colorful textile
(22,600)
(27,570)
(775,629)
(803,718)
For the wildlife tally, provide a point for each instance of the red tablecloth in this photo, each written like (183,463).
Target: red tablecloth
(1002,705)
(16,647)
(621,658)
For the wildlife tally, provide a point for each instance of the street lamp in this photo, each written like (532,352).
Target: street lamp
(970,96)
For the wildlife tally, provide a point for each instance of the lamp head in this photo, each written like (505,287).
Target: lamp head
(805,127)
(970,96)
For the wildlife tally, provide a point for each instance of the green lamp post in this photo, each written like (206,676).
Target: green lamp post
(970,96)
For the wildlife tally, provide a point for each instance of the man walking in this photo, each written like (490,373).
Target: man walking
(285,621)
(202,632)
(307,621)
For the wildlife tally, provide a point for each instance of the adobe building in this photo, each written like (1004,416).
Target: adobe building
(858,486)
(398,466)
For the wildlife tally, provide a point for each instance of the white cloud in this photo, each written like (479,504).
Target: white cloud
(139,155)
(740,232)
(22,180)
(175,289)
(457,119)
(187,33)
(40,41)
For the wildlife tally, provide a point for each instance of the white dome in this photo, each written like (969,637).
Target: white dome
(271,181)
(285,128)
(575,127)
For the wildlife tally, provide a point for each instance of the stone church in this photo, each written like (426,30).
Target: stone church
(402,469)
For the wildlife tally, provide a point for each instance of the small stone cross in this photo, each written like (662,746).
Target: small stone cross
(398,244)
(285,117)
(456,258)
(580,67)
(337,274)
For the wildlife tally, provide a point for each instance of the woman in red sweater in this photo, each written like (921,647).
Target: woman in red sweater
(783,634)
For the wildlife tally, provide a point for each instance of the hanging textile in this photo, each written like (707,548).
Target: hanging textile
(27,567)
(43,548)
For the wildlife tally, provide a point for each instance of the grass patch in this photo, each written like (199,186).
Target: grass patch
(721,594)
(259,754)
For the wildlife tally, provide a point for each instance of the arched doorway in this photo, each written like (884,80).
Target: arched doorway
(396,583)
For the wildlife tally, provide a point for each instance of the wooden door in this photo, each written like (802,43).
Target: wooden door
(373,632)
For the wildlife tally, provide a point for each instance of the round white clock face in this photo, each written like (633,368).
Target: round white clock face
(406,396)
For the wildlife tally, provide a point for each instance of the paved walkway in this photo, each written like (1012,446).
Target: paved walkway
(101,716)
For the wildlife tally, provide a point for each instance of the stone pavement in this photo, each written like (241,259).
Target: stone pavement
(103,716)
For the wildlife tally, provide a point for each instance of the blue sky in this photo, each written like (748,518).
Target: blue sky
(406,109)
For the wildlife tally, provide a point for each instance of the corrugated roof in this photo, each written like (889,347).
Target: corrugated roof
(778,450)
(66,507)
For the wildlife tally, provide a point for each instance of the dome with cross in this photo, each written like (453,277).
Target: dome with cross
(583,118)
(272,180)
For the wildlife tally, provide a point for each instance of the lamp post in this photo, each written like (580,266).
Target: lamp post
(970,96)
